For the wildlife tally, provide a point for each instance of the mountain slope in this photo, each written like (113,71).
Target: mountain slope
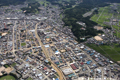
(11,2)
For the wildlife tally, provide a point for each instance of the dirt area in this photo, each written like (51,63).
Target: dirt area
(98,38)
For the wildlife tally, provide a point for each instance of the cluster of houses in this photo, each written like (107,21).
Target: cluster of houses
(75,60)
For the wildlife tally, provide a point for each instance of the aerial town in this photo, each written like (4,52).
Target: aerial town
(38,47)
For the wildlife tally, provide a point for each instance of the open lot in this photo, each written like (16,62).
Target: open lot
(8,77)
(110,51)
(23,44)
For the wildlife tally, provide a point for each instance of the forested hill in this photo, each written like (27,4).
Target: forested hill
(74,14)
(101,1)
(11,2)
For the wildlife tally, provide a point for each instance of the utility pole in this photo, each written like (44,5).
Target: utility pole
(4,25)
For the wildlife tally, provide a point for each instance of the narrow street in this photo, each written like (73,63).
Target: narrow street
(61,76)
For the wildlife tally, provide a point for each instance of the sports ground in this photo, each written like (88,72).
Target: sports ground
(8,77)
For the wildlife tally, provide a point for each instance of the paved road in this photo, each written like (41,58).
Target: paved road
(13,37)
(22,59)
(61,76)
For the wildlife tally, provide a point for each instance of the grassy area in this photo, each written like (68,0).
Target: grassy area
(54,6)
(29,78)
(18,10)
(32,39)
(110,51)
(43,2)
(8,77)
(116,27)
(117,34)
(13,64)
(61,16)
(119,22)
(23,44)
(70,26)
(6,65)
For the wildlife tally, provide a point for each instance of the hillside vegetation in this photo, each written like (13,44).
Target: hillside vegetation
(11,2)
(75,14)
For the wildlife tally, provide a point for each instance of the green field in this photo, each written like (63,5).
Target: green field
(102,16)
(8,77)
(112,52)
(117,34)
(23,44)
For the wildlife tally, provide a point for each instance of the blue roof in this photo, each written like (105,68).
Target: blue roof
(88,51)
(91,70)
(88,62)
(56,62)
(56,51)
(75,43)
(56,79)
(79,51)
(94,65)
(46,61)
(71,75)
(27,59)
(81,57)
(91,54)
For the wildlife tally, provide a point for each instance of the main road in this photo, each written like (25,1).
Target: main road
(61,76)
